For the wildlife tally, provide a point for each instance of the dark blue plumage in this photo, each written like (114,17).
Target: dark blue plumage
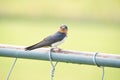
(52,40)
(58,36)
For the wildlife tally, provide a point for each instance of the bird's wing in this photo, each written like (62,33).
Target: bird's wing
(47,41)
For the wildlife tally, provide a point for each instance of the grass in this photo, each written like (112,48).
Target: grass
(83,36)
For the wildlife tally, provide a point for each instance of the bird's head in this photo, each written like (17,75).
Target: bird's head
(63,29)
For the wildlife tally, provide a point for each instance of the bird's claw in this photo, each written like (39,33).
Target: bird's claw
(56,49)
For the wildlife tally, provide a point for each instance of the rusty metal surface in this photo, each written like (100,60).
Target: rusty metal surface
(69,56)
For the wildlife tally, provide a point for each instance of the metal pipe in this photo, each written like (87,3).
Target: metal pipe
(68,56)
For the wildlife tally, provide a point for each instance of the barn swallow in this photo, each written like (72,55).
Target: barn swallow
(53,40)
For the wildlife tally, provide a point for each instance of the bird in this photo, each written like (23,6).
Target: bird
(53,40)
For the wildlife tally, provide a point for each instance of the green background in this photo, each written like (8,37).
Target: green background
(94,26)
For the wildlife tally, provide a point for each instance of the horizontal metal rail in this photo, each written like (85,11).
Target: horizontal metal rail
(68,56)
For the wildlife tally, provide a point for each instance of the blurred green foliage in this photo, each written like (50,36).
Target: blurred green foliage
(94,25)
